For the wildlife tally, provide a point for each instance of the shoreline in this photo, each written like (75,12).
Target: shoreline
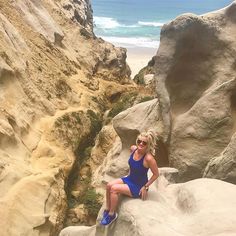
(138,57)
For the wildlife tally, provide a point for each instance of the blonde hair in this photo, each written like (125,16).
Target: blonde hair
(151,141)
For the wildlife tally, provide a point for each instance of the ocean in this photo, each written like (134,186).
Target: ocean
(137,23)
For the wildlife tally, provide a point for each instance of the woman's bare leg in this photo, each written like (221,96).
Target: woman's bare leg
(117,189)
(108,192)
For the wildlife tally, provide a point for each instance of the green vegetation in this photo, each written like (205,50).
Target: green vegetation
(96,122)
(126,101)
(146,98)
(91,201)
(88,197)
(71,202)
(101,103)
(68,120)
(86,143)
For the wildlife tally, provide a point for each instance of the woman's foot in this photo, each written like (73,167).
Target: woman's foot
(109,219)
(105,213)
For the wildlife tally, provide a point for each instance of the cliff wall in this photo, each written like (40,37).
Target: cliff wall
(53,73)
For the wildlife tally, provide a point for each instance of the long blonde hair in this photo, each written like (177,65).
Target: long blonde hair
(151,141)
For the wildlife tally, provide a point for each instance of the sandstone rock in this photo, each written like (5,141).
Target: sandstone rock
(37,155)
(40,72)
(15,47)
(174,211)
(128,124)
(196,88)
(78,231)
(188,202)
(224,166)
(70,128)
(80,11)
(74,220)
(40,20)
(36,194)
(5,68)
(171,174)
(147,70)
(113,58)
(75,194)
(103,144)
(81,213)
(148,78)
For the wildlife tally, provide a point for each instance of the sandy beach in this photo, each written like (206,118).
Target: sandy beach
(138,57)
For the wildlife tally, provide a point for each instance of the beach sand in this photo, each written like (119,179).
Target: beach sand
(138,57)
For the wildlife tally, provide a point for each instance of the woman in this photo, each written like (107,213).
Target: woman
(136,184)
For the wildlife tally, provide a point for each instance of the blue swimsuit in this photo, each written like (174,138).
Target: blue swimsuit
(137,177)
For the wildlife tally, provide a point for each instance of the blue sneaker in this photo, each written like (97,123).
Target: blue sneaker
(109,219)
(105,213)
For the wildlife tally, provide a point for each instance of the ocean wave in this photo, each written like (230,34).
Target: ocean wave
(151,23)
(105,22)
(111,23)
(132,42)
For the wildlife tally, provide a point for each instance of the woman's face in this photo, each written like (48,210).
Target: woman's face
(142,143)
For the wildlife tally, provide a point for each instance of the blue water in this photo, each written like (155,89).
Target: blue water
(133,23)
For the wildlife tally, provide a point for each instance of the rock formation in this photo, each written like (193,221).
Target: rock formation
(190,208)
(57,80)
(195,116)
(196,90)
(196,87)
(53,74)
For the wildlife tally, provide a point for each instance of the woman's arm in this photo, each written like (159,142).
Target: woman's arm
(153,166)
(155,173)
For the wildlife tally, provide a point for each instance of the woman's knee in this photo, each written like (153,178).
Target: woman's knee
(109,185)
(115,188)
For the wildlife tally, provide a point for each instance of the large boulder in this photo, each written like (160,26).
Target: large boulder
(201,207)
(78,231)
(174,211)
(196,87)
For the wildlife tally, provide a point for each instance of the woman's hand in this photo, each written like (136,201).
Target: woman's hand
(143,193)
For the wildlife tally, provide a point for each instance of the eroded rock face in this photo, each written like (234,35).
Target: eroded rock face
(80,11)
(223,166)
(50,62)
(196,87)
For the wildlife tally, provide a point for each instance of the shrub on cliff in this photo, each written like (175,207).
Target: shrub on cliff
(92,202)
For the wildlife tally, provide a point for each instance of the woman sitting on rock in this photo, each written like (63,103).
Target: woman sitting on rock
(136,184)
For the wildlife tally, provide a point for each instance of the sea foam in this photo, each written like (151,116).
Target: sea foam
(131,42)
(110,23)
(105,22)
(151,23)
